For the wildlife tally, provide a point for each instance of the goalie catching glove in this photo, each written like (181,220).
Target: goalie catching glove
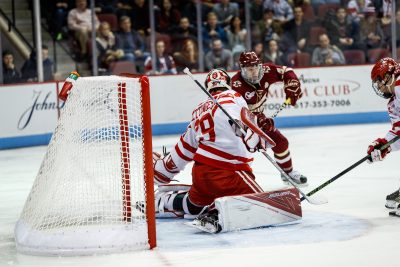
(375,152)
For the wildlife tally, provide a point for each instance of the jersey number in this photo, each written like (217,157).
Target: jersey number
(206,124)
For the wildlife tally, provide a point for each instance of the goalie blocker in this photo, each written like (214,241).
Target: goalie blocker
(248,211)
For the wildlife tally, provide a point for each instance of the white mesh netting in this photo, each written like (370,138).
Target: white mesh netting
(84,199)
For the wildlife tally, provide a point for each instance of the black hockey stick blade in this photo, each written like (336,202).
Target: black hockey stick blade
(315,190)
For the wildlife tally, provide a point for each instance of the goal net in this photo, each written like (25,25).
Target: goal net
(94,190)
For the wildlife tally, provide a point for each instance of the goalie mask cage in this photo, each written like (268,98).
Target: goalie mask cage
(94,192)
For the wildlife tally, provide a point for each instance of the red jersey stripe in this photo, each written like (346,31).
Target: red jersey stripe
(224,155)
(187,146)
(221,164)
(181,155)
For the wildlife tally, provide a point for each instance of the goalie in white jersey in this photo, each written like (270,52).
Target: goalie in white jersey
(385,77)
(222,156)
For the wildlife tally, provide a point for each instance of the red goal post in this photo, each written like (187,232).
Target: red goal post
(94,192)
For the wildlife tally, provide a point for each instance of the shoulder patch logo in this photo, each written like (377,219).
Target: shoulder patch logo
(237,84)
(249,95)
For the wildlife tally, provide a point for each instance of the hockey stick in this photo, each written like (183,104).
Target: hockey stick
(312,192)
(284,105)
(312,201)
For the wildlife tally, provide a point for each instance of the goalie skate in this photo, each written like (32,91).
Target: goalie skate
(206,223)
(393,200)
(296,177)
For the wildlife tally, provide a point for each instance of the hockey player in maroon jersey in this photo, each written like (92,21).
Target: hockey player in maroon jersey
(385,76)
(222,156)
(253,82)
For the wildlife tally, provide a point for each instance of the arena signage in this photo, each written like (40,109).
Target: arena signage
(332,95)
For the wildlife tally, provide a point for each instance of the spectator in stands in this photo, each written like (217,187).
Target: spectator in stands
(105,6)
(296,33)
(164,63)
(386,12)
(273,54)
(327,54)
(189,11)
(371,31)
(140,15)
(213,30)
(236,37)
(80,23)
(188,56)
(266,29)
(226,11)
(29,69)
(130,42)
(344,31)
(355,10)
(316,3)
(105,45)
(124,8)
(10,73)
(167,17)
(256,11)
(57,18)
(258,48)
(182,32)
(218,56)
(283,12)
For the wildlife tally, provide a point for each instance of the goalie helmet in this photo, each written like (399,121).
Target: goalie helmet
(251,67)
(217,79)
(383,76)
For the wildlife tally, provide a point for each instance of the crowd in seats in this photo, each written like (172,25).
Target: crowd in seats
(285,32)
(28,72)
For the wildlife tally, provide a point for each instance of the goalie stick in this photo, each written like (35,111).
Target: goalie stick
(314,201)
(315,190)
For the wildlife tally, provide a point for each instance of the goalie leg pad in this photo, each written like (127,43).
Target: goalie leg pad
(258,209)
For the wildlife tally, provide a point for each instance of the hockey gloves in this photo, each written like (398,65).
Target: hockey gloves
(265,123)
(293,90)
(253,142)
(375,152)
(163,173)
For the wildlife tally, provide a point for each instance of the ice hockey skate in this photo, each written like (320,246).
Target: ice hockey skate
(393,200)
(207,223)
(395,212)
(297,177)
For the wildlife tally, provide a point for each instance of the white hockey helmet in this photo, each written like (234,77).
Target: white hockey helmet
(217,79)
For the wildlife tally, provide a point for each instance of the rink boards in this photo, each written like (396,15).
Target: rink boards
(332,95)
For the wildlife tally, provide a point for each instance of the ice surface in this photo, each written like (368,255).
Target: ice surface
(353,229)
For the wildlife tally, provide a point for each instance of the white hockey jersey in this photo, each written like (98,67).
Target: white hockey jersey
(394,114)
(210,139)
